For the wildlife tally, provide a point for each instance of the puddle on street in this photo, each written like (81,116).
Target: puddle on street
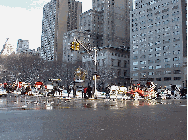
(55,103)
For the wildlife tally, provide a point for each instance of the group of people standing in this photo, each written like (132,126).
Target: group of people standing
(87,91)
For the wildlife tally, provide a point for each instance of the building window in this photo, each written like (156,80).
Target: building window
(119,72)
(177,71)
(112,62)
(135,63)
(142,62)
(158,67)
(150,56)
(166,53)
(135,52)
(135,68)
(135,74)
(158,79)
(177,78)
(167,72)
(165,47)
(175,58)
(151,67)
(158,54)
(151,73)
(158,49)
(125,64)
(157,61)
(167,60)
(150,61)
(143,56)
(167,78)
(176,52)
(167,65)
(151,49)
(103,62)
(125,73)
(119,63)
(176,65)
(143,68)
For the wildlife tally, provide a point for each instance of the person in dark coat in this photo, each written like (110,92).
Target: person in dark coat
(107,90)
(89,89)
(68,90)
(74,91)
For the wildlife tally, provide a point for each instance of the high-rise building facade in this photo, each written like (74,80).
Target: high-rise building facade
(158,42)
(92,22)
(117,23)
(22,46)
(108,22)
(59,16)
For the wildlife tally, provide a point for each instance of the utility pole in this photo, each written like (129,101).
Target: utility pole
(95,73)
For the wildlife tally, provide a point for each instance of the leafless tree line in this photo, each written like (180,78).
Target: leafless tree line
(31,68)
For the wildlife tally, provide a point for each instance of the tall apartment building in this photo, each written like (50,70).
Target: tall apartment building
(108,22)
(117,23)
(8,48)
(92,22)
(22,46)
(59,16)
(158,42)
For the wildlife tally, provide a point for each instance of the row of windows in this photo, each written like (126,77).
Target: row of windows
(144,74)
(175,46)
(161,79)
(157,31)
(141,5)
(157,42)
(119,63)
(156,24)
(155,67)
(156,61)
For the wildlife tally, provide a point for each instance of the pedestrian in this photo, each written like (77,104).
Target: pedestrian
(68,90)
(85,92)
(89,89)
(74,90)
(107,90)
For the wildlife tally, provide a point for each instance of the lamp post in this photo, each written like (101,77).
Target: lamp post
(95,72)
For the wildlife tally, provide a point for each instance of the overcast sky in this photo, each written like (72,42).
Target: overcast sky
(22,19)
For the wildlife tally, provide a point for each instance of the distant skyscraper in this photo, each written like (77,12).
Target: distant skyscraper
(59,16)
(22,46)
(7,48)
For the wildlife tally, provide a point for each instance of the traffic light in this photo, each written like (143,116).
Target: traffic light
(72,46)
(98,76)
(77,46)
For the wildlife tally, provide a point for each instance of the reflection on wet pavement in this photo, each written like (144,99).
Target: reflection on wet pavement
(53,118)
(16,103)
